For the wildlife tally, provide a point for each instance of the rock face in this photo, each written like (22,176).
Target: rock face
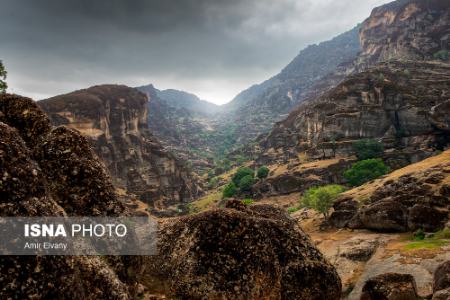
(390,286)
(114,120)
(395,93)
(442,277)
(392,102)
(29,186)
(405,29)
(415,197)
(241,252)
(184,124)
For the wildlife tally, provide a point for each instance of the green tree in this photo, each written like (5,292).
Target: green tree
(246,183)
(263,172)
(229,190)
(368,148)
(3,73)
(365,170)
(442,55)
(321,198)
(241,173)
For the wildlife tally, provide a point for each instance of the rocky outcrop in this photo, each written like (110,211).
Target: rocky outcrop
(390,286)
(29,186)
(393,102)
(394,93)
(298,177)
(442,277)
(405,29)
(415,197)
(114,120)
(183,126)
(240,252)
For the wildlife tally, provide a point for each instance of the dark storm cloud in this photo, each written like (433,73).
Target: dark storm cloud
(214,48)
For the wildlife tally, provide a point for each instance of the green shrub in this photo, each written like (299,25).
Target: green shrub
(419,235)
(321,198)
(248,201)
(229,190)
(292,209)
(246,183)
(212,183)
(368,148)
(365,170)
(442,55)
(263,172)
(241,173)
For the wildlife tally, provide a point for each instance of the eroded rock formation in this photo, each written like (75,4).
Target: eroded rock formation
(415,197)
(398,90)
(114,120)
(394,102)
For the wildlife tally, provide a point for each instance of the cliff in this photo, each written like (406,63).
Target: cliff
(403,104)
(397,90)
(114,120)
(406,29)
(175,118)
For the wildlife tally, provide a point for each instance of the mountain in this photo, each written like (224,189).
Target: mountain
(180,99)
(256,109)
(183,124)
(402,101)
(114,120)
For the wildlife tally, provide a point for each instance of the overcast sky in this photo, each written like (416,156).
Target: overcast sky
(211,48)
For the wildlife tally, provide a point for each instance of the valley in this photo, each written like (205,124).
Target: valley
(329,180)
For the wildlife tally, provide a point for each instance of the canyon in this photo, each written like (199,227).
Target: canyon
(114,150)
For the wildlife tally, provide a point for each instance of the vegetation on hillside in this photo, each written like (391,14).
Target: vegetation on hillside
(365,170)
(3,73)
(263,172)
(321,198)
(368,148)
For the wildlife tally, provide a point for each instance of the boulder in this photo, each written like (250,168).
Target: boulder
(442,277)
(241,252)
(390,286)
(442,295)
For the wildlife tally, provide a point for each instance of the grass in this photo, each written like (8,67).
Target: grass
(292,209)
(248,201)
(437,240)
(204,202)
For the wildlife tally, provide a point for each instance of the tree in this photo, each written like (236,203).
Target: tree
(321,198)
(365,170)
(263,172)
(368,148)
(3,73)
(229,190)
(246,183)
(241,173)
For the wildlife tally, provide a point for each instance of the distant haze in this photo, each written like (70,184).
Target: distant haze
(213,49)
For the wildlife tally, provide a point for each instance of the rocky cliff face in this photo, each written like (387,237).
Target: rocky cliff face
(182,125)
(114,120)
(403,102)
(406,29)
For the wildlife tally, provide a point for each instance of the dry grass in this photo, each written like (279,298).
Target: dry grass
(207,201)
